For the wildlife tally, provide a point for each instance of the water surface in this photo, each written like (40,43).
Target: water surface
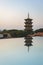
(15,52)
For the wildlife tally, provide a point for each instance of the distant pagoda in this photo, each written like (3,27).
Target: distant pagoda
(28,25)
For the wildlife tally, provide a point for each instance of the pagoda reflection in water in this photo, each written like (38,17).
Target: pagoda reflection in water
(28,41)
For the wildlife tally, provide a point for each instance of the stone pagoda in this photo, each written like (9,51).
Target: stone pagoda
(28,25)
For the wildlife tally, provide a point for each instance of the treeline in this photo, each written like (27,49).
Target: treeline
(38,30)
(19,33)
(14,33)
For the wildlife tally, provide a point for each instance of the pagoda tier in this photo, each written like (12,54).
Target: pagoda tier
(28,22)
(28,25)
(28,19)
(28,40)
(28,28)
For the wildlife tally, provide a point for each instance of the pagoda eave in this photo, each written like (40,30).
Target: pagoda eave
(28,44)
(28,19)
(28,22)
(28,25)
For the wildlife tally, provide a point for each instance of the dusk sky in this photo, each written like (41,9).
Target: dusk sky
(13,13)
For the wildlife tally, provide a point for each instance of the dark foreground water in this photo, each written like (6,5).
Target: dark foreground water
(17,52)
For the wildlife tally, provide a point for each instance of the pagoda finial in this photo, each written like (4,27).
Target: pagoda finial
(28,15)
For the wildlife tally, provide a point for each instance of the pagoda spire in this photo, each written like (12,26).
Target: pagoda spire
(28,15)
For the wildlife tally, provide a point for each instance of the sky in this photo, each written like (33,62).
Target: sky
(13,13)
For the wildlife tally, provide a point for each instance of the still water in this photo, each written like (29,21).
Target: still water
(20,51)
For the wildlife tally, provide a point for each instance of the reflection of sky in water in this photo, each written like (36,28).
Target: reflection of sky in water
(13,52)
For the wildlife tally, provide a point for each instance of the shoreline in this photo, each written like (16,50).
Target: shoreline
(38,34)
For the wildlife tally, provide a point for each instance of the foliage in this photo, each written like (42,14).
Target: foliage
(39,30)
(14,33)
